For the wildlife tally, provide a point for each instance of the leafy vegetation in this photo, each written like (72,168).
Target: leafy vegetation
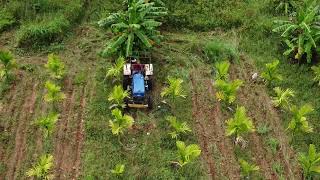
(55,67)
(117,97)
(54,93)
(217,50)
(299,122)
(178,127)
(221,70)
(316,71)
(187,153)
(226,91)
(120,123)
(310,162)
(135,29)
(116,70)
(282,98)
(271,73)
(47,123)
(8,64)
(174,89)
(118,170)
(301,34)
(42,169)
(247,169)
(240,124)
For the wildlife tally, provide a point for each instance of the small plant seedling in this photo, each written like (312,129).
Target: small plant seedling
(283,98)
(247,169)
(221,70)
(188,153)
(55,67)
(47,123)
(263,129)
(278,169)
(177,127)
(120,122)
(118,170)
(117,97)
(8,64)
(226,91)
(310,162)
(270,72)
(41,170)
(273,144)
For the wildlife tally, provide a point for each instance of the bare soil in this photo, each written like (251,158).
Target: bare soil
(17,157)
(210,129)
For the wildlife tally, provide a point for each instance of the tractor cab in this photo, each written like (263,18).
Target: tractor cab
(137,80)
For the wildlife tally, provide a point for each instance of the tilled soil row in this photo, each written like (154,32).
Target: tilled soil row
(61,141)
(258,104)
(210,128)
(17,157)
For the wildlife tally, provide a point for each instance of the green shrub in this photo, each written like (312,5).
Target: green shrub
(42,33)
(219,50)
(6,20)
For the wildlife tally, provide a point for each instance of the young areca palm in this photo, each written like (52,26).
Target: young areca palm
(302,32)
(47,123)
(310,162)
(42,169)
(282,98)
(120,122)
(135,28)
(116,70)
(174,89)
(227,90)
(247,169)
(54,93)
(55,67)
(7,64)
(188,153)
(240,124)
(270,72)
(316,71)
(299,122)
(118,170)
(178,127)
(117,97)
(221,70)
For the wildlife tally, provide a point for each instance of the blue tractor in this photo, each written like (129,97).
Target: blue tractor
(138,81)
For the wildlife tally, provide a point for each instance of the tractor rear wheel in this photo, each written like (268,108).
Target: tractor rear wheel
(150,103)
(125,82)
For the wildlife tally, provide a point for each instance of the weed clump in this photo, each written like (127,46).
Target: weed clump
(217,50)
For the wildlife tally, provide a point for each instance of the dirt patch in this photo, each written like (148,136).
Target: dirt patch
(17,156)
(79,136)
(61,141)
(210,128)
(258,104)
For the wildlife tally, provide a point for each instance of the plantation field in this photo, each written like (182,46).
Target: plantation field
(235,125)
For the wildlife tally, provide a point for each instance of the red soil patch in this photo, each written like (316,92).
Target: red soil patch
(210,128)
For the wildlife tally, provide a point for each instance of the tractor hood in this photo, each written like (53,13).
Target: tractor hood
(138,89)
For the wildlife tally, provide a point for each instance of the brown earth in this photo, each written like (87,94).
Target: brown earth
(210,128)
(17,156)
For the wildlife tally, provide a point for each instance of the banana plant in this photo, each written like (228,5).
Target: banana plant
(120,122)
(55,67)
(174,89)
(41,170)
(285,6)
(7,65)
(117,97)
(116,70)
(135,29)
(240,124)
(270,72)
(118,170)
(310,163)
(282,98)
(221,70)
(316,71)
(302,33)
(54,93)
(226,91)
(47,123)
(299,121)
(247,169)
(178,127)
(187,154)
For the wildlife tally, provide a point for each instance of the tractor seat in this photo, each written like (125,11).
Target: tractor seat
(138,85)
